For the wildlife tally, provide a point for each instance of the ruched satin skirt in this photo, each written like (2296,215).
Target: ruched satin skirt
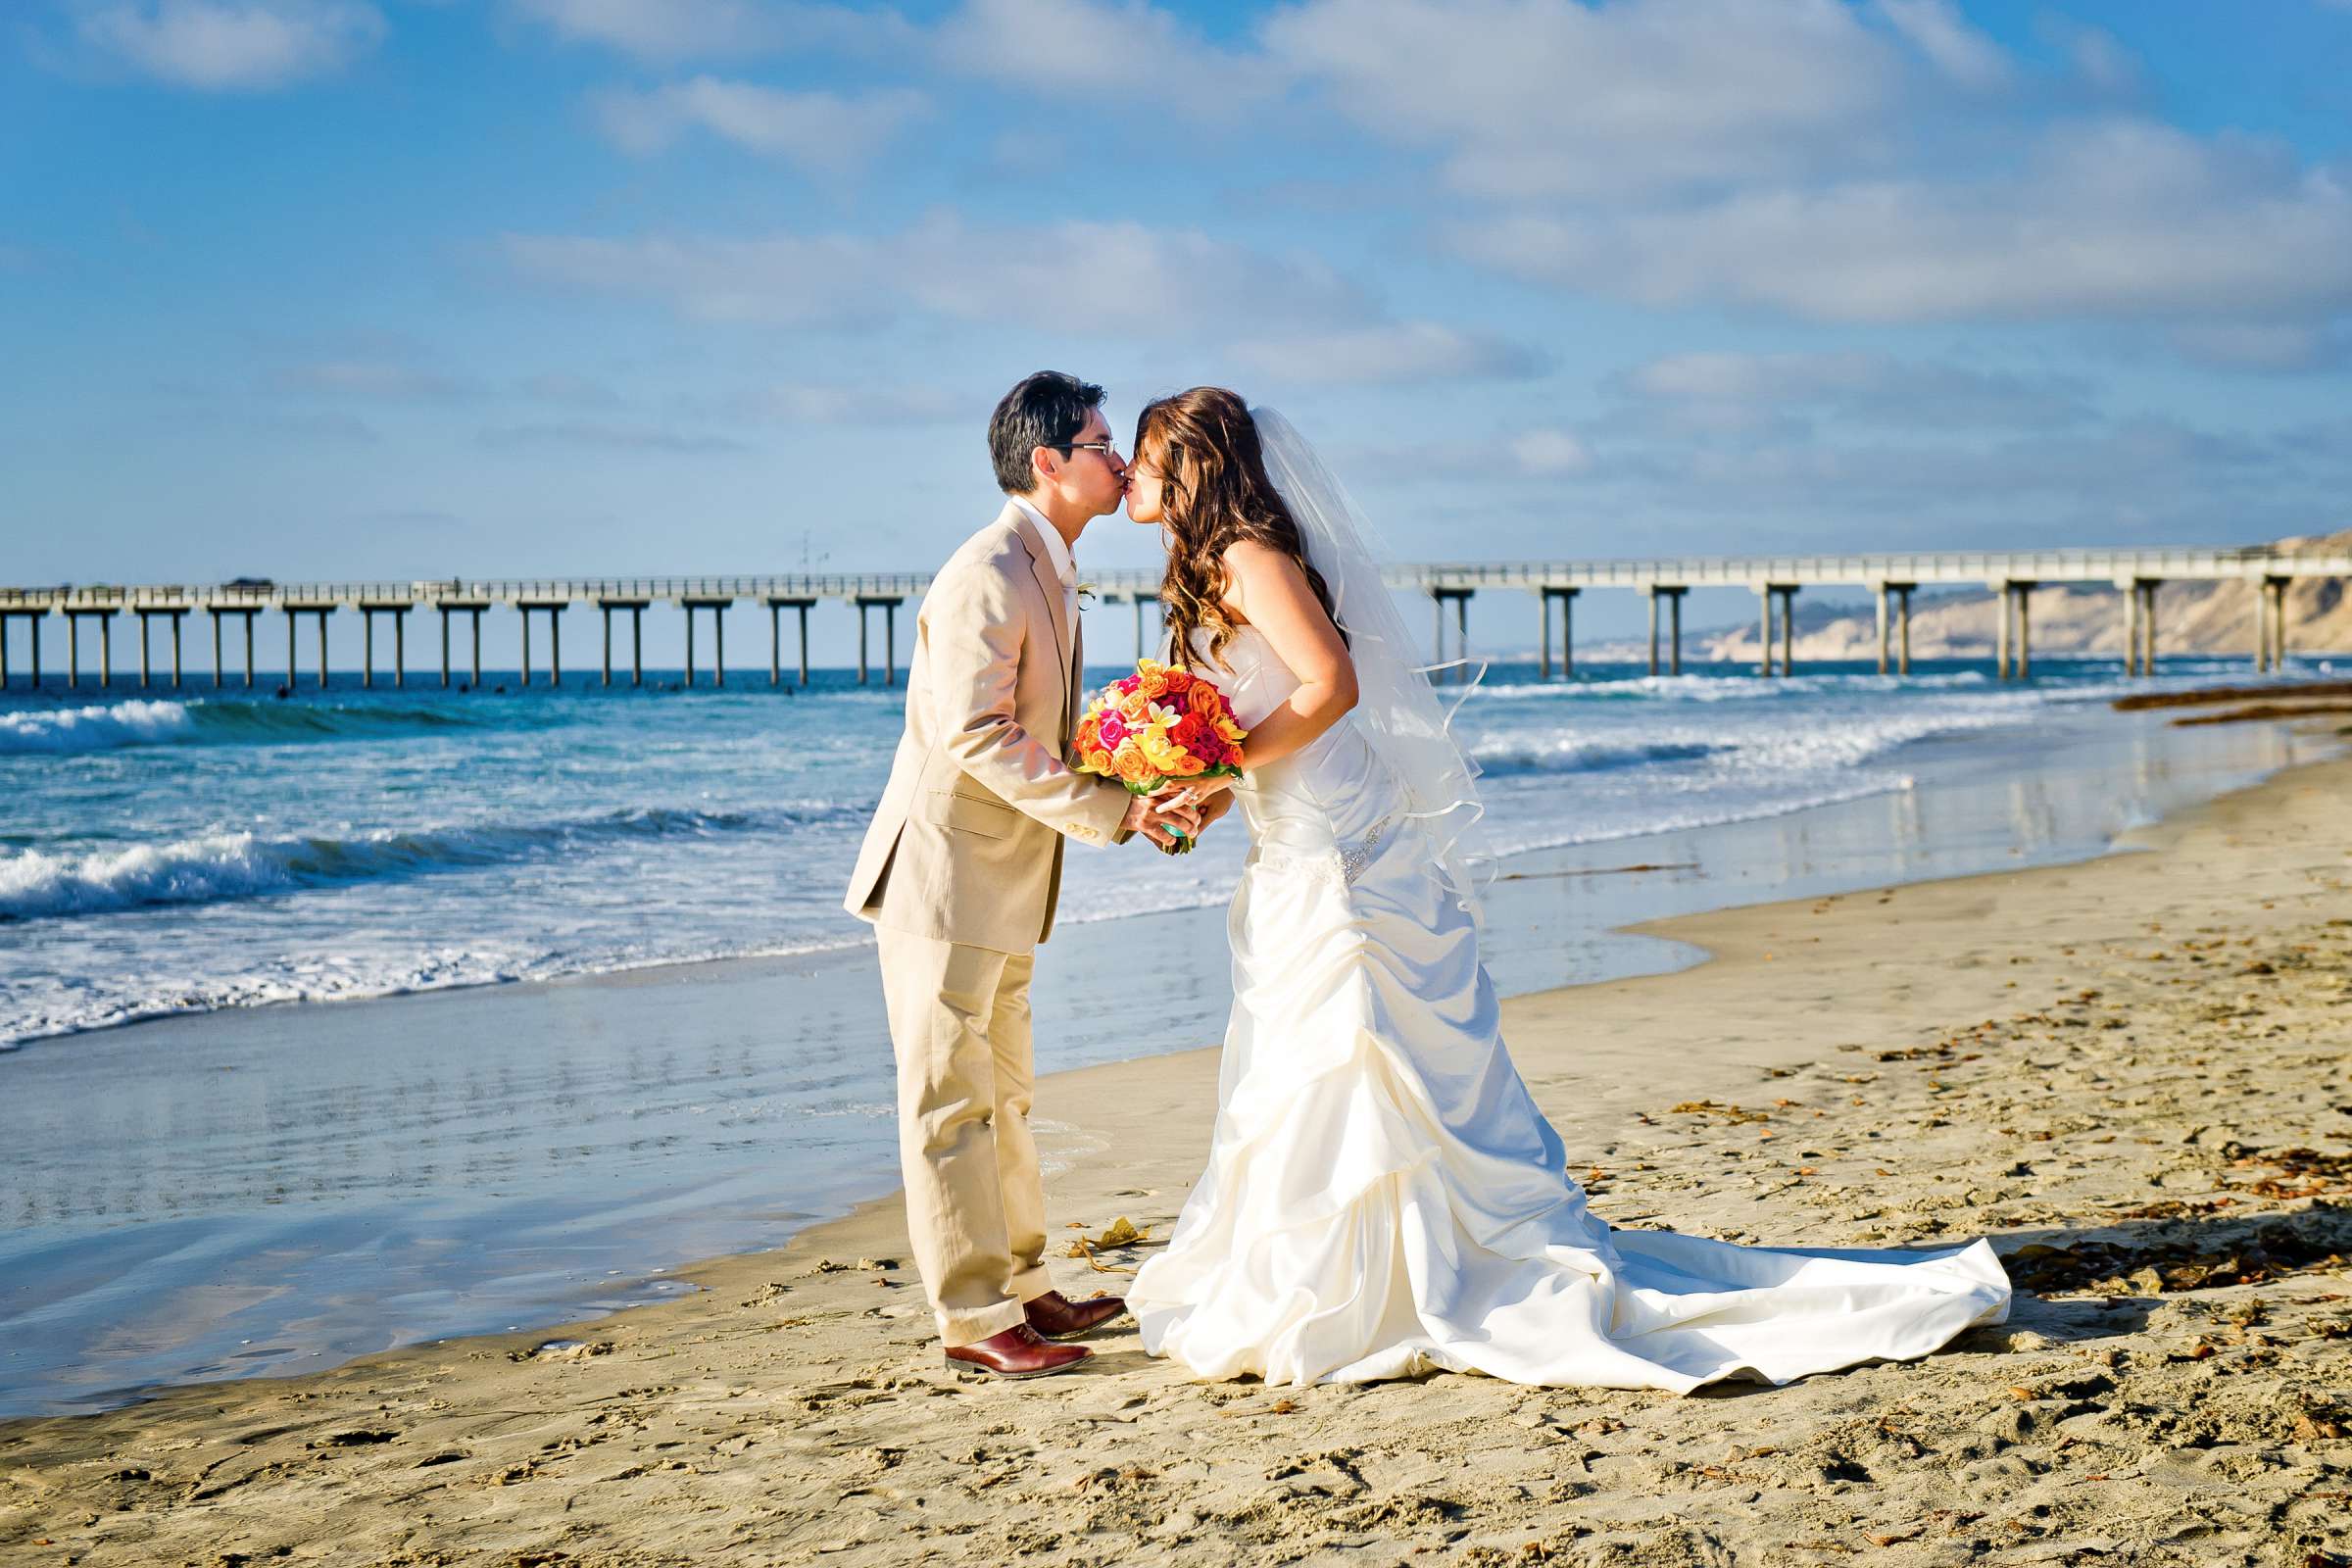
(1383,1197)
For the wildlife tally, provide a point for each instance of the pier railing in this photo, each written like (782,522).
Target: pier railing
(1774,579)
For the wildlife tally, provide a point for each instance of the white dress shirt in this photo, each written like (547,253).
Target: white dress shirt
(1058,552)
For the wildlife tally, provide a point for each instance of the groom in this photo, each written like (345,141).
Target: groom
(963,864)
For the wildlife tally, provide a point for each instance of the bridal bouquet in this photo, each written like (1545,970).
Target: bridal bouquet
(1160,726)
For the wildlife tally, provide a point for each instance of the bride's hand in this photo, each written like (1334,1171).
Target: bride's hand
(1194,793)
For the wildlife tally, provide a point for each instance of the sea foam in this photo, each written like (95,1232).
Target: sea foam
(94,728)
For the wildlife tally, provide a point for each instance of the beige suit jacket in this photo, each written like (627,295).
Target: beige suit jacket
(966,844)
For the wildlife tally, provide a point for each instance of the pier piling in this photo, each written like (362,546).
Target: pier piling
(2129,592)
(1141,600)
(717,606)
(1565,598)
(1460,598)
(1673,595)
(2270,623)
(104,618)
(32,636)
(554,610)
(889,606)
(2025,630)
(776,604)
(1901,591)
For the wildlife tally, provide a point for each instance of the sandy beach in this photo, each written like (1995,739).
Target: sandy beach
(2130,1073)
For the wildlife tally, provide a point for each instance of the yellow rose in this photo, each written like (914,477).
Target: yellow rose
(1098,761)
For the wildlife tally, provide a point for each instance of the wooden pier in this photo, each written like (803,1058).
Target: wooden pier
(1776,580)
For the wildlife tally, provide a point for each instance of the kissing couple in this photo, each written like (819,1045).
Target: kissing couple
(1382,1197)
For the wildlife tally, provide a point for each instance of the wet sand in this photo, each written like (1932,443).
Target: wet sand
(2132,1074)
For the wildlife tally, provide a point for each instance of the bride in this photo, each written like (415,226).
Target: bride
(1382,1195)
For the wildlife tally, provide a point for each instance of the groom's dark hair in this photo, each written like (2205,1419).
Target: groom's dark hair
(1044,410)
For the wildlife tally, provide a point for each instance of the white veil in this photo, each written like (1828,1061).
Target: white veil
(1398,710)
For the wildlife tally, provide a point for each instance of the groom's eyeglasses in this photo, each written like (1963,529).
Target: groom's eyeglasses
(1108,448)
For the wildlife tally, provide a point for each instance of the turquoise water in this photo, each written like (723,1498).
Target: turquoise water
(207,851)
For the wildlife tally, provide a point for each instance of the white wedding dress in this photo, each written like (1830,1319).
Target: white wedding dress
(1382,1195)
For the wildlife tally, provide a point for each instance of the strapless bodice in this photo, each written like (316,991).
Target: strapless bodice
(1330,795)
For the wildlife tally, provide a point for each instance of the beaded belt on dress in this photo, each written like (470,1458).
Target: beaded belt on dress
(1346,864)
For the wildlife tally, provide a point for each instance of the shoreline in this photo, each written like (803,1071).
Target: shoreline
(307,1186)
(816,1356)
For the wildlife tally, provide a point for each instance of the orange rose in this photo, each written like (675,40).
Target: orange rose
(1204,699)
(1098,761)
(1132,766)
(1090,733)
(1136,708)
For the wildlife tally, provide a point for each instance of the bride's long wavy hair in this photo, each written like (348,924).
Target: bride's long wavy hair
(1215,491)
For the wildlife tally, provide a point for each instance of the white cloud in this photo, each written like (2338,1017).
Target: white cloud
(604,436)
(1550,453)
(233,45)
(1092,278)
(834,403)
(1733,393)
(566,389)
(822,131)
(1288,315)
(2113,217)
(671,30)
(1390,352)
(1531,98)
(2099,57)
(2265,345)
(1127,48)
(386,380)
(1937,31)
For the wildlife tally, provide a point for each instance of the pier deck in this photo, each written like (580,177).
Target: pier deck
(1774,579)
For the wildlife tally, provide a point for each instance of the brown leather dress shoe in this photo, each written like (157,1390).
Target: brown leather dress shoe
(1018,1353)
(1058,1318)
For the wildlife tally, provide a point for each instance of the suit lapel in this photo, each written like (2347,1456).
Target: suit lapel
(1040,565)
(1076,692)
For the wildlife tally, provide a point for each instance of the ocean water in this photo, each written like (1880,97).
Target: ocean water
(252,1189)
(219,850)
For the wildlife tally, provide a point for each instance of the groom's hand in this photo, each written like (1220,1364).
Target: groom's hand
(1145,817)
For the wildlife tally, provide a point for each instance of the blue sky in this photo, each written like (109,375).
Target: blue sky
(340,288)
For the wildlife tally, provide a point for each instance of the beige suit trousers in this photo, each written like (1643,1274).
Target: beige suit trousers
(975,1202)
